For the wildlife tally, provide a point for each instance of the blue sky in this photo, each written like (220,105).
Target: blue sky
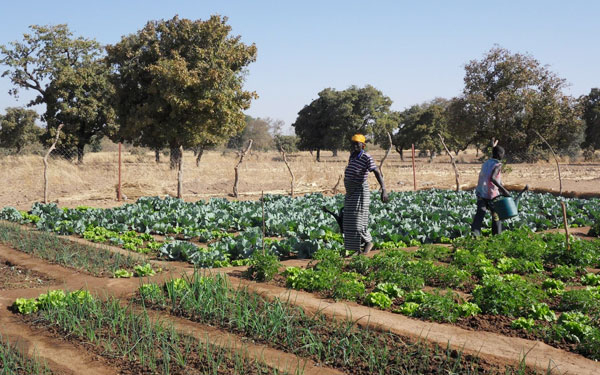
(413,51)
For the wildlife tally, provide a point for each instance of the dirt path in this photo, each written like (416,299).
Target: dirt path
(492,347)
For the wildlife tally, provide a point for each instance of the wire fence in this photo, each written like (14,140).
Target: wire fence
(94,180)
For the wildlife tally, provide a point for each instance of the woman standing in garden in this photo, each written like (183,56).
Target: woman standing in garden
(489,187)
(358,198)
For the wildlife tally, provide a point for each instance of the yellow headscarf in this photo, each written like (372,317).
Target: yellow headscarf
(359,138)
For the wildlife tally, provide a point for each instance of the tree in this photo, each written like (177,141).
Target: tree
(257,129)
(18,129)
(70,79)
(287,143)
(420,125)
(591,116)
(329,121)
(461,125)
(511,96)
(179,83)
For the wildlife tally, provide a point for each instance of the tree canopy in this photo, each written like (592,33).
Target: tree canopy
(511,97)
(70,79)
(329,121)
(591,116)
(179,83)
(18,129)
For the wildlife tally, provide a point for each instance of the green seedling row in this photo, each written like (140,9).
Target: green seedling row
(144,345)
(48,246)
(335,343)
(13,361)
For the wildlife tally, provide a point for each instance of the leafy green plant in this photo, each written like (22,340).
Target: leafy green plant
(263,266)
(541,311)
(121,273)
(510,296)
(553,287)
(523,323)
(25,305)
(348,287)
(590,279)
(563,272)
(390,289)
(378,299)
(409,308)
(469,309)
(145,270)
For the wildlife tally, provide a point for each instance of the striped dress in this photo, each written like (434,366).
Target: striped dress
(357,201)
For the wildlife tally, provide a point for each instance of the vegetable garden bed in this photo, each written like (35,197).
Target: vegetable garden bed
(338,344)
(48,246)
(525,284)
(130,340)
(299,224)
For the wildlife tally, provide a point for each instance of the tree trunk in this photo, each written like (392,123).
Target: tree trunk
(334,152)
(80,154)
(399,150)
(157,156)
(318,154)
(174,156)
(199,152)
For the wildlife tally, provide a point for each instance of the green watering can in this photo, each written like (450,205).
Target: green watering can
(506,207)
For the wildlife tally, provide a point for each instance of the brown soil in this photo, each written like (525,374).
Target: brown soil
(15,277)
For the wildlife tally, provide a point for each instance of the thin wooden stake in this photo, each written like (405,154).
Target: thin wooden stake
(235,183)
(335,188)
(119,183)
(46,163)
(386,153)
(180,174)
(555,159)
(290,170)
(564,210)
(413,165)
(452,161)
(262,200)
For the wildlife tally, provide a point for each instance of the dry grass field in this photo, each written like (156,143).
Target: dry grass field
(94,182)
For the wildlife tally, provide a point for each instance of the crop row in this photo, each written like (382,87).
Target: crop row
(13,361)
(532,278)
(93,260)
(142,344)
(340,344)
(300,224)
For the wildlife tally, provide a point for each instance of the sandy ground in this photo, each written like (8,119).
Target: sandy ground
(94,182)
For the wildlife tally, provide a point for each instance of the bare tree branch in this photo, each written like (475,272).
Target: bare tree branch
(235,183)
(46,162)
(452,161)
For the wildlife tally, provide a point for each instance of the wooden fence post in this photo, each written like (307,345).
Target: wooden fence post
(453,163)
(46,163)
(235,183)
(119,183)
(289,169)
(413,165)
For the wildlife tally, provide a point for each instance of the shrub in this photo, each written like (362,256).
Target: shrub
(263,266)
